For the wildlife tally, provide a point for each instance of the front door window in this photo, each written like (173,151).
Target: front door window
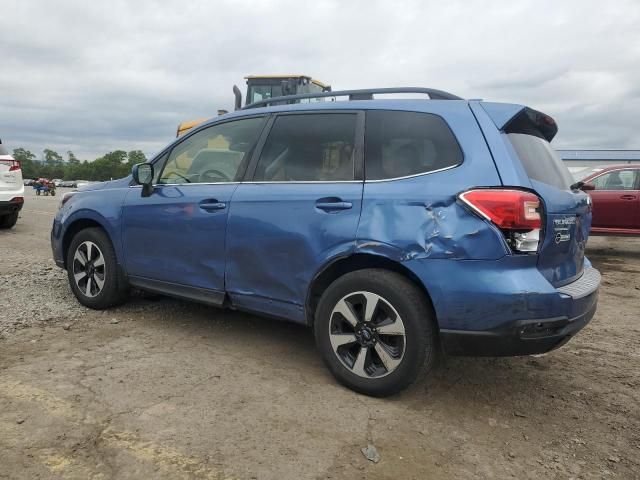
(213,155)
(616,180)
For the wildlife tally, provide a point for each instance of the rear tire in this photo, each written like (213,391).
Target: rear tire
(8,221)
(92,269)
(384,354)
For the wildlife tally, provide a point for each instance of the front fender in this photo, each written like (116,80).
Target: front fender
(103,207)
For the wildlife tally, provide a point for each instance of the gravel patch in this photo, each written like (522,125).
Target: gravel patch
(33,292)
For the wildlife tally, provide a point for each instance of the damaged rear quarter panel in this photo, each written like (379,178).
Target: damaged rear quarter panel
(420,217)
(416,225)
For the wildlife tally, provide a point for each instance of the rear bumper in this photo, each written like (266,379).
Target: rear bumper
(527,337)
(11,206)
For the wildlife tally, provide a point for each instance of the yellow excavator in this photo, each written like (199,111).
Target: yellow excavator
(263,87)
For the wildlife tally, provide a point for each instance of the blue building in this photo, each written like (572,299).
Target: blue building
(577,160)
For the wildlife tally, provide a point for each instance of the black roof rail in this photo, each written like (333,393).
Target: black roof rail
(364,94)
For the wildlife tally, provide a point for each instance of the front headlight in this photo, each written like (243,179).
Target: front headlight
(65,198)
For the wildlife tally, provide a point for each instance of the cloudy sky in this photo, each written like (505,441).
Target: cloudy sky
(97,76)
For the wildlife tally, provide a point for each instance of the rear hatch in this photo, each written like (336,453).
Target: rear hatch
(567,212)
(10,173)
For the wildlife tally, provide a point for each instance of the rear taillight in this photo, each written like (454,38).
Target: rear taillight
(12,164)
(516,213)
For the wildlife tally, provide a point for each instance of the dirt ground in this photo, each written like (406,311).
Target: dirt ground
(168,389)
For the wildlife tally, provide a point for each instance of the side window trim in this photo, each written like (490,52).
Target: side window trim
(158,164)
(393,179)
(257,151)
(169,151)
(358,158)
(242,174)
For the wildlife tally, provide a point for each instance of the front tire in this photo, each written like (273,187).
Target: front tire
(92,269)
(375,331)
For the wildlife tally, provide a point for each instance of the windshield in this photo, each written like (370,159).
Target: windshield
(264,92)
(580,175)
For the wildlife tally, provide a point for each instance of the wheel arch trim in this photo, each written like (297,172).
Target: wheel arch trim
(340,265)
(79,221)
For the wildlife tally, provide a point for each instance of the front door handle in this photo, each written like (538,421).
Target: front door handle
(212,204)
(628,197)
(332,204)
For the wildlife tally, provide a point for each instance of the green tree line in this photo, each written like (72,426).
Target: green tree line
(116,164)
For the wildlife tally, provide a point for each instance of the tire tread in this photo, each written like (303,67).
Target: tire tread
(113,292)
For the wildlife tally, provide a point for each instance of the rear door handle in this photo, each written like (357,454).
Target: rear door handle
(333,204)
(628,197)
(212,204)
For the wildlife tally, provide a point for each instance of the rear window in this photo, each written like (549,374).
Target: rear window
(317,147)
(400,144)
(540,161)
(584,173)
(3,151)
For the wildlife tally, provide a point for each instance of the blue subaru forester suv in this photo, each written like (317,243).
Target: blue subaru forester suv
(395,228)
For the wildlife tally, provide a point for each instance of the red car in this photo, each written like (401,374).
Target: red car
(615,192)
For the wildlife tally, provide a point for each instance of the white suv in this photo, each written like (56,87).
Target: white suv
(11,189)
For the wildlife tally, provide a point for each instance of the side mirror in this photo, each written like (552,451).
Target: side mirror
(588,186)
(143,175)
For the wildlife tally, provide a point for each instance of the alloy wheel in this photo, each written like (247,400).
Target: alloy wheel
(89,269)
(367,334)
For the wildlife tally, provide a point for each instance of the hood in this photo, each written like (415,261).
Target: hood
(119,183)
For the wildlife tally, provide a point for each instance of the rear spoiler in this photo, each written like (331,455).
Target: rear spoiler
(511,118)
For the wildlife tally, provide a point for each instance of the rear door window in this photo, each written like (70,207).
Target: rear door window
(540,160)
(317,147)
(401,144)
